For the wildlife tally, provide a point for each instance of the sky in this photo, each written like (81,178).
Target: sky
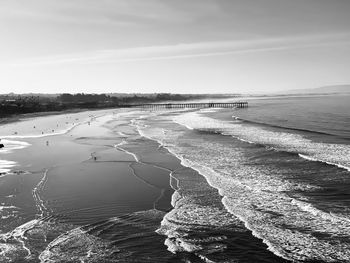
(177,46)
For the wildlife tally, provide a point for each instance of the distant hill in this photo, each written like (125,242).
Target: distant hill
(321,90)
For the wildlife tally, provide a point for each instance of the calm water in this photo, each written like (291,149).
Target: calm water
(318,114)
(270,183)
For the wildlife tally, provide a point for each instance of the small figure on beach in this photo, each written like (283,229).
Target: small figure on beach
(47,143)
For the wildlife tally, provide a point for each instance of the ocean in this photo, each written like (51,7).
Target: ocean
(268,183)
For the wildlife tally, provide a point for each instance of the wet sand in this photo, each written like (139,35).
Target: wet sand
(90,177)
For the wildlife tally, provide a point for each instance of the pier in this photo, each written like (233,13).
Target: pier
(239,104)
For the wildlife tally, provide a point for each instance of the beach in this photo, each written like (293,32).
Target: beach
(88,174)
(174,185)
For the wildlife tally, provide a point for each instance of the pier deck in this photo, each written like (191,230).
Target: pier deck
(239,104)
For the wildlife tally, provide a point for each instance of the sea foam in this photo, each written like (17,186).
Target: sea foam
(256,195)
(334,154)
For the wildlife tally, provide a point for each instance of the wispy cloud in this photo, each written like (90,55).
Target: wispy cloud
(188,50)
(102,12)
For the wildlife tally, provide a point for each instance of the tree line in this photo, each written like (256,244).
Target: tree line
(18,104)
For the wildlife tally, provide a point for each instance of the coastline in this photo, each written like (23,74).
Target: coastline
(116,172)
(184,180)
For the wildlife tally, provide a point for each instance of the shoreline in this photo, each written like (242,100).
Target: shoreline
(108,185)
(189,214)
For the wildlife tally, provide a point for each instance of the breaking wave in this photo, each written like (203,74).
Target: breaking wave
(335,154)
(255,195)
